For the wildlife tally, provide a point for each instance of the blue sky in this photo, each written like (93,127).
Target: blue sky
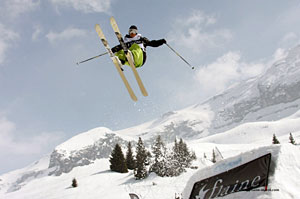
(46,98)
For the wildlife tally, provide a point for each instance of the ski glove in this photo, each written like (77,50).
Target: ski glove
(116,48)
(164,41)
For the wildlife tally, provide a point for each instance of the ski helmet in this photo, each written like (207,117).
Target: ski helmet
(133,29)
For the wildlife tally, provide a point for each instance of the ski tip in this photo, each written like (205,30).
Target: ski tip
(112,20)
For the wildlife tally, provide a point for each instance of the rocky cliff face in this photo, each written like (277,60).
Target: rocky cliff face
(64,158)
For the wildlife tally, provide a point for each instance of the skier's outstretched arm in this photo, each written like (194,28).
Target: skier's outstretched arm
(154,43)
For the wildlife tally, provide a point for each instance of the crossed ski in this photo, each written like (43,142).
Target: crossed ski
(117,62)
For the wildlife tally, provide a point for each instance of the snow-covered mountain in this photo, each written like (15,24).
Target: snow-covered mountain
(272,96)
(247,114)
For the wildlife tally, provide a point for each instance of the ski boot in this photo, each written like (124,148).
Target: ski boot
(120,62)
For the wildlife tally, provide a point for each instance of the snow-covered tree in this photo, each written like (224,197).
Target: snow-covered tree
(175,160)
(185,155)
(275,140)
(140,171)
(117,160)
(213,157)
(180,158)
(193,155)
(159,157)
(130,162)
(292,141)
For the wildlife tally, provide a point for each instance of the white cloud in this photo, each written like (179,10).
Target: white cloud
(195,32)
(36,33)
(225,71)
(7,37)
(14,8)
(213,78)
(289,40)
(86,6)
(12,144)
(290,36)
(67,34)
(18,148)
(197,18)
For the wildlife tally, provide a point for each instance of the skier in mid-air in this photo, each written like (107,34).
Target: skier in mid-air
(137,44)
(134,45)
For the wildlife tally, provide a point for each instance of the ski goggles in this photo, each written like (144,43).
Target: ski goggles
(132,31)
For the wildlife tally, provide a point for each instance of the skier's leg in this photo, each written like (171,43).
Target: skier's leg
(121,55)
(137,54)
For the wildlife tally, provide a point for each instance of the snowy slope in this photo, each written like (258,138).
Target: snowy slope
(97,181)
(15,180)
(258,132)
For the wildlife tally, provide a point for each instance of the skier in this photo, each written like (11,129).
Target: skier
(137,44)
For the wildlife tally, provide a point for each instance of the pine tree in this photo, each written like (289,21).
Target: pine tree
(130,162)
(292,141)
(175,160)
(169,164)
(159,162)
(140,171)
(74,183)
(181,158)
(213,156)
(193,156)
(117,160)
(275,140)
(186,156)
